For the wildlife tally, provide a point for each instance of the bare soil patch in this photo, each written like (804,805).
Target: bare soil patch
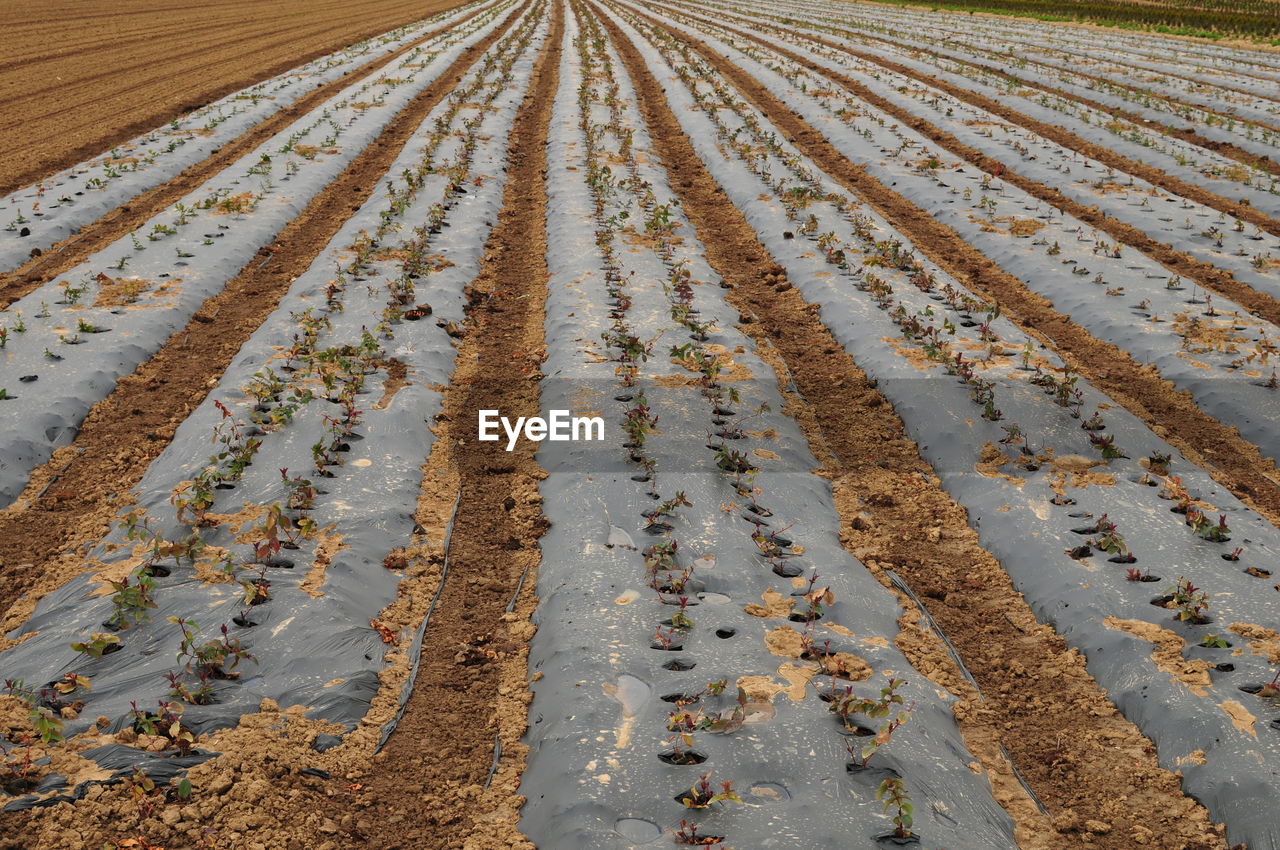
(77,78)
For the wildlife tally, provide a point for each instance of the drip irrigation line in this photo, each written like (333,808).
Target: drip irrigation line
(497,738)
(511,606)
(1025,787)
(58,474)
(497,757)
(933,625)
(415,648)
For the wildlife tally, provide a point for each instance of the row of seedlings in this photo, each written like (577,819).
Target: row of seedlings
(290,553)
(1140,140)
(1247,251)
(1184,330)
(704,569)
(78,334)
(37,216)
(1239,99)
(1010,432)
(1259,138)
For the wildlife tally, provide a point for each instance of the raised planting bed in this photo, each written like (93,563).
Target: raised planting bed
(1199,341)
(268,569)
(1064,519)
(74,337)
(675,650)
(35,217)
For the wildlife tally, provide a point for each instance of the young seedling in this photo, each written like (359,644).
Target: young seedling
(301,492)
(1158,464)
(216,658)
(664,639)
(132,600)
(1110,540)
(144,793)
(1190,602)
(815,598)
(702,795)
(70,683)
(1107,445)
(688,836)
(654,519)
(98,645)
(681,619)
(1206,527)
(893,795)
(846,705)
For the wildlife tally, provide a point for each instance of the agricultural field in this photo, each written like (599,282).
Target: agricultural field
(615,423)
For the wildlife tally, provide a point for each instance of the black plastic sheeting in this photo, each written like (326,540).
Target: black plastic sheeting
(184,268)
(80,195)
(315,649)
(598,720)
(1238,779)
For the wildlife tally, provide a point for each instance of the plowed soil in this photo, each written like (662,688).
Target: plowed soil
(1065,764)
(77,78)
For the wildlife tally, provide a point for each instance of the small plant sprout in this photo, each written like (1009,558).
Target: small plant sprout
(688,836)
(1107,445)
(1207,528)
(846,705)
(144,793)
(702,795)
(98,644)
(1190,601)
(654,519)
(70,683)
(681,619)
(1214,642)
(1110,540)
(132,600)
(663,639)
(1158,464)
(217,658)
(815,598)
(892,794)
(1013,435)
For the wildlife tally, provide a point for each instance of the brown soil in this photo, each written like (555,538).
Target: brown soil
(71,500)
(93,237)
(77,78)
(1093,770)
(1172,414)
(471,686)
(1067,139)
(449,775)
(433,790)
